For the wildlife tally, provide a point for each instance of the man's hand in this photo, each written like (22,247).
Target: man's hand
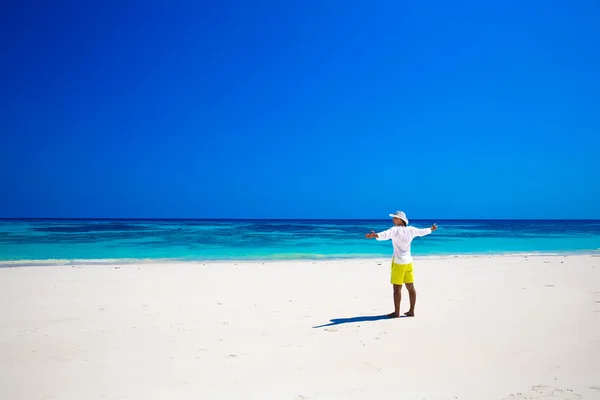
(433,227)
(371,235)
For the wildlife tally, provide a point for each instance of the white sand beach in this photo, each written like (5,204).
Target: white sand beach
(500,327)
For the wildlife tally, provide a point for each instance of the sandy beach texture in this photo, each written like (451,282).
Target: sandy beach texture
(501,327)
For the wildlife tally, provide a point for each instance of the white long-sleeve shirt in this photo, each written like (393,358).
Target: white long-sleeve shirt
(402,236)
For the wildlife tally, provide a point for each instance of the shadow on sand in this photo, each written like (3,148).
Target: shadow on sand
(338,321)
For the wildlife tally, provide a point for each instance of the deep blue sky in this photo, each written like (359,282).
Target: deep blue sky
(308,109)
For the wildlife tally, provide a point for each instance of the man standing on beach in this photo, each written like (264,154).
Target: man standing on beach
(402,263)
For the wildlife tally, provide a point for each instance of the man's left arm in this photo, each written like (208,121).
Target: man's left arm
(385,235)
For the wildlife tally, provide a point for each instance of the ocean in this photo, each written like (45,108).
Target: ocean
(88,240)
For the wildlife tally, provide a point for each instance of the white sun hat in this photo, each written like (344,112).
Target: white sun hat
(401,215)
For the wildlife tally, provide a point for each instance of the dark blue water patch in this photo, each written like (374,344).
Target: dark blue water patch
(88,228)
(96,236)
(68,238)
(250,238)
(304,231)
(272,228)
(566,227)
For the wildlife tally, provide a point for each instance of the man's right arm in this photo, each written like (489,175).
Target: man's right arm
(422,232)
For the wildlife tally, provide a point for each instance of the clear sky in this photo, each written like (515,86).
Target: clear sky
(300,109)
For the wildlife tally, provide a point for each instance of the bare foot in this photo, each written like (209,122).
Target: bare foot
(409,314)
(393,315)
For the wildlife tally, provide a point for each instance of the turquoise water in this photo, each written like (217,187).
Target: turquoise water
(270,239)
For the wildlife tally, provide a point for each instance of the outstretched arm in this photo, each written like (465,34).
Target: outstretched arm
(423,232)
(385,235)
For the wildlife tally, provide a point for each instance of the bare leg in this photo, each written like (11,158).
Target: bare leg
(412,294)
(397,298)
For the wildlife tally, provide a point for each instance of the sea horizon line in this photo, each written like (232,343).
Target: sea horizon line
(287,219)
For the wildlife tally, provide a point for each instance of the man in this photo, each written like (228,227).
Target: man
(402,263)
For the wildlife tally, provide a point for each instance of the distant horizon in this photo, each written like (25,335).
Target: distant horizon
(286,219)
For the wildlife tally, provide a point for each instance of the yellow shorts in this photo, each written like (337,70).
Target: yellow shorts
(402,273)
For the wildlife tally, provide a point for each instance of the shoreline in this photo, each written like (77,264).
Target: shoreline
(320,258)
